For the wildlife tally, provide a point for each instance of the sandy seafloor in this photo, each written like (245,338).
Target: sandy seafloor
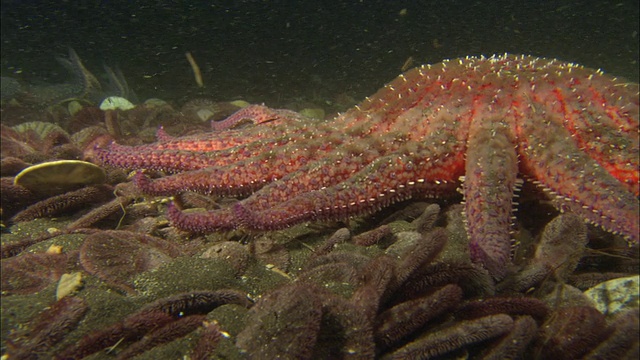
(327,55)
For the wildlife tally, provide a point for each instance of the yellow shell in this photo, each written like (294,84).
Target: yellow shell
(60,175)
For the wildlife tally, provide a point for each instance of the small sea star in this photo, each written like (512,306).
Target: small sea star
(486,121)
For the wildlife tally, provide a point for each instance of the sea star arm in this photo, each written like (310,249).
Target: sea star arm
(330,169)
(221,141)
(237,178)
(198,151)
(202,221)
(356,155)
(177,160)
(256,114)
(362,177)
(490,181)
(602,118)
(387,180)
(579,183)
(276,128)
(312,165)
(145,158)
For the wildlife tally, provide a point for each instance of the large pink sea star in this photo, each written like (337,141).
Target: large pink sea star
(482,121)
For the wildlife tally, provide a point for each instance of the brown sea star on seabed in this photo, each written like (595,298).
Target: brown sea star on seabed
(486,121)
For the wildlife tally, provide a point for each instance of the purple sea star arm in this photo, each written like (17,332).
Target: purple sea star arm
(490,181)
(202,221)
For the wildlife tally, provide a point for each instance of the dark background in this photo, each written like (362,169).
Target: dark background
(282,51)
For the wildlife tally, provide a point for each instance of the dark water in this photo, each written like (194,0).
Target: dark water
(281,51)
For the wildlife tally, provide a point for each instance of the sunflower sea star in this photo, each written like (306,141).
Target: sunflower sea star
(481,121)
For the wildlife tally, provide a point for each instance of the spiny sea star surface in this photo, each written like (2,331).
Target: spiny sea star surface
(485,122)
